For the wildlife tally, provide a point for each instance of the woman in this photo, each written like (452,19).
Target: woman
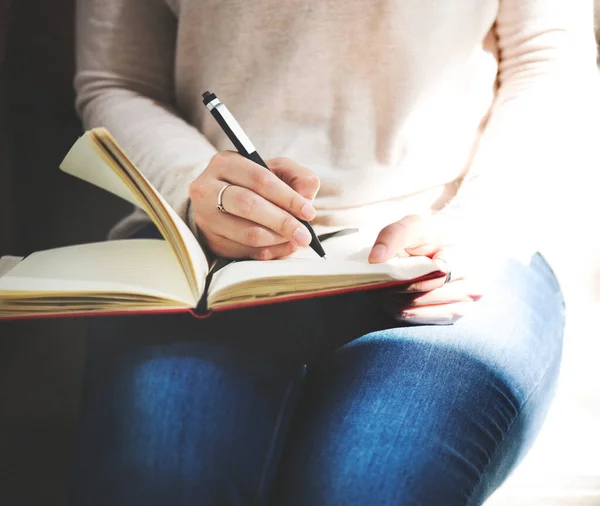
(418,120)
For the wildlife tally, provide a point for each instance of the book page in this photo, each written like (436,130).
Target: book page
(173,228)
(304,272)
(142,269)
(97,159)
(7,263)
(83,161)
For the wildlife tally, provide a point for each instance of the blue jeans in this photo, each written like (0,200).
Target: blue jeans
(319,402)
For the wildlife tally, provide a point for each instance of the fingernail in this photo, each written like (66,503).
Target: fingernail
(378,252)
(302,236)
(308,212)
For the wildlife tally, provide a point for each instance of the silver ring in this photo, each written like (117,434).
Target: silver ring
(220,197)
(448,271)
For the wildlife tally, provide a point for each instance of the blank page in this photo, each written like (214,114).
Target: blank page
(134,266)
(86,162)
(346,265)
(90,159)
(7,263)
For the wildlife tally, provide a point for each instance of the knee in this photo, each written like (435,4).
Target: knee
(462,364)
(173,428)
(429,426)
(143,428)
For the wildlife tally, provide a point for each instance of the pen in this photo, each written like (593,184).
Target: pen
(245,148)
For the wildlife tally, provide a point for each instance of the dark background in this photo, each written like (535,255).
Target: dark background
(40,208)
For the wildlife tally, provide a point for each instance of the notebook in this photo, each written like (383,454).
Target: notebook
(175,273)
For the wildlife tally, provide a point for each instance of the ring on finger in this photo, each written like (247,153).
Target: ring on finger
(220,198)
(448,271)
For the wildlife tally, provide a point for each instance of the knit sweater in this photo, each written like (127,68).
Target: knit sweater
(453,107)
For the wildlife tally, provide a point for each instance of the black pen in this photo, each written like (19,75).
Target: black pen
(245,148)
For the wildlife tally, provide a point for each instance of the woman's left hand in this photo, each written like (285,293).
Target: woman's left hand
(435,301)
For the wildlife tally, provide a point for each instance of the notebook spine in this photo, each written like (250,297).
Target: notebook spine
(199,313)
(201,310)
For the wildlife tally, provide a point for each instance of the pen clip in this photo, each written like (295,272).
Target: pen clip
(228,123)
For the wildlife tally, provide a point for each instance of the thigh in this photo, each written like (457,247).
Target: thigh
(175,414)
(429,414)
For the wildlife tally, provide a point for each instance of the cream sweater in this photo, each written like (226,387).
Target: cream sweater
(396,105)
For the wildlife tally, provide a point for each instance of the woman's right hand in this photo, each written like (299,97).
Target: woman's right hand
(262,207)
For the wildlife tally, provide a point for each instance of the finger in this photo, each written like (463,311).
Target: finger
(274,252)
(439,314)
(427,250)
(244,173)
(246,204)
(210,220)
(455,291)
(410,232)
(423,286)
(459,263)
(429,284)
(246,232)
(226,248)
(301,179)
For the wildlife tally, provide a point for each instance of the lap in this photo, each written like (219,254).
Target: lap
(224,392)
(169,419)
(430,414)
(515,331)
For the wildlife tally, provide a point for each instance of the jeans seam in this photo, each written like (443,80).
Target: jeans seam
(275,435)
(555,281)
(507,432)
(533,391)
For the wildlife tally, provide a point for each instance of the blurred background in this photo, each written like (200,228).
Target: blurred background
(41,362)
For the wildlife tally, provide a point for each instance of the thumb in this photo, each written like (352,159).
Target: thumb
(409,234)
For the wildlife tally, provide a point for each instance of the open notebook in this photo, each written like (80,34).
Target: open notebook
(174,274)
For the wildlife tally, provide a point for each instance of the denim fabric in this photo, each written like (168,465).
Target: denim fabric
(319,402)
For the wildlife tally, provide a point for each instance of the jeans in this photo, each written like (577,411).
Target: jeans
(319,402)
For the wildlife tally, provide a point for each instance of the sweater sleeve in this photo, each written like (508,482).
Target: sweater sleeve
(124,81)
(537,145)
